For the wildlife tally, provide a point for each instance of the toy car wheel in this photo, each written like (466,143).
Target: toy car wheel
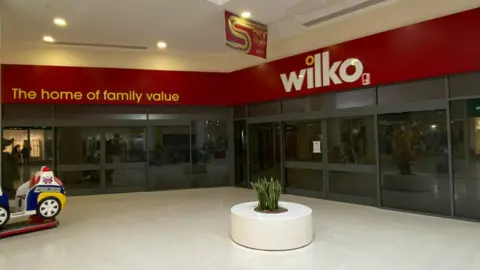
(49,208)
(4,216)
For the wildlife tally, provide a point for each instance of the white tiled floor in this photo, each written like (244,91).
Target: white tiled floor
(185,230)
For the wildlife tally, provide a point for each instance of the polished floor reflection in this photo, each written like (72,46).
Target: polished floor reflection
(189,229)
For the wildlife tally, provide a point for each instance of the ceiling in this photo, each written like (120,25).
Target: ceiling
(193,29)
(186,25)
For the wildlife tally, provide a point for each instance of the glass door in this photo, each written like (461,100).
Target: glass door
(98,160)
(80,153)
(414,161)
(351,166)
(169,157)
(30,147)
(304,158)
(24,151)
(209,166)
(264,151)
(465,130)
(240,135)
(125,158)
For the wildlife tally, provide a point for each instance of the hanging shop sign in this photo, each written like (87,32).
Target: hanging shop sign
(245,35)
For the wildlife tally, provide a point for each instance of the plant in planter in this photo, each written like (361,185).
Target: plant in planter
(259,224)
(268,194)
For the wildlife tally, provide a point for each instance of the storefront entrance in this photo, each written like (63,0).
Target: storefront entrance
(111,149)
(29,148)
(331,158)
(264,151)
(110,158)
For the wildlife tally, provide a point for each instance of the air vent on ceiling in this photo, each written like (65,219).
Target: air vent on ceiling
(344,11)
(106,46)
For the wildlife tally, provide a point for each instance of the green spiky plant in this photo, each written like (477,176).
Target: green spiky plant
(268,193)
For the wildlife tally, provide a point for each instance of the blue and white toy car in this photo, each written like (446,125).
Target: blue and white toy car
(43,196)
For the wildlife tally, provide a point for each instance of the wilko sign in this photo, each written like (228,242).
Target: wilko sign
(323,73)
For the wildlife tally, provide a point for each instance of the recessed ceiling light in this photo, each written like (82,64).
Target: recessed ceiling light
(60,22)
(48,39)
(246,14)
(161,45)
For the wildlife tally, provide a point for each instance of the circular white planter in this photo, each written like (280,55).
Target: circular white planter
(283,231)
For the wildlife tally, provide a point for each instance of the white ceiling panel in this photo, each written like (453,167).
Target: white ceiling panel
(194,26)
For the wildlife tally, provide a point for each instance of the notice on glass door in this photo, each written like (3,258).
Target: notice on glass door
(317,147)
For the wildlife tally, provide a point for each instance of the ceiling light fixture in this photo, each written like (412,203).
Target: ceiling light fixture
(246,14)
(60,22)
(48,39)
(161,45)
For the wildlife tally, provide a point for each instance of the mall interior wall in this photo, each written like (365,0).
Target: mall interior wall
(404,137)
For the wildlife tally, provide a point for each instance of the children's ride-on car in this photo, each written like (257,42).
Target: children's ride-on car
(43,197)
